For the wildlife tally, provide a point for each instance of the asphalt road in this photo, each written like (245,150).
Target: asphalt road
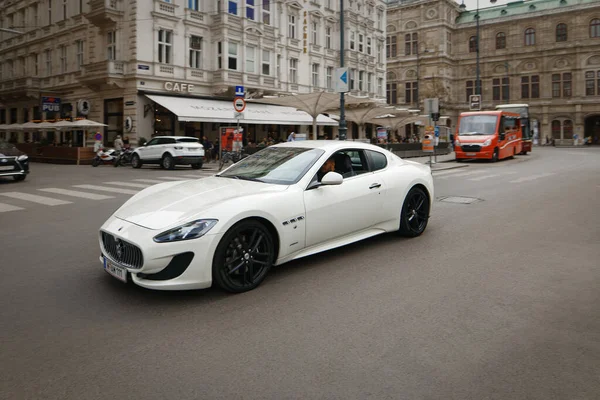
(499,299)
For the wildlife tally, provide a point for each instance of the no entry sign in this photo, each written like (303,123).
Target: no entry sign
(239,104)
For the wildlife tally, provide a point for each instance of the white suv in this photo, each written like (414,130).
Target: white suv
(169,151)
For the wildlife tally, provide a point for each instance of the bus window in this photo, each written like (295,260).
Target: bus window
(508,124)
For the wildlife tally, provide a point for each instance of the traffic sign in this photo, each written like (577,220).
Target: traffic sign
(239,91)
(239,104)
(437,131)
(238,115)
(475,102)
(341,80)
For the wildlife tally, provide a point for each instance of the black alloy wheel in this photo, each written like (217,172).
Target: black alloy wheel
(415,213)
(168,162)
(95,162)
(136,162)
(496,155)
(243,257)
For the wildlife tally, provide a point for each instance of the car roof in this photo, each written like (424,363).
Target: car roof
(176,137)
(329,144)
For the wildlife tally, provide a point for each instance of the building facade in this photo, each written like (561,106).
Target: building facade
(545,53)
(103,58)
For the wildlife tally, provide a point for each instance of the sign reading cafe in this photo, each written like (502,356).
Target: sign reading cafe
(179,87)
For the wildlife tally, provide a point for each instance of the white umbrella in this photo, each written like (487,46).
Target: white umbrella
(63,125)
(28,126)
(11,127)
(86,123)
(315,103)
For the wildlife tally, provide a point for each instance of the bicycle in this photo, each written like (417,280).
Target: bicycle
(226,156)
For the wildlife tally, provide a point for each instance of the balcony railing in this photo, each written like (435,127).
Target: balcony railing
(101,71)
(105,12)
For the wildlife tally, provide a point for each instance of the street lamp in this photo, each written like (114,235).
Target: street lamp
(342,126)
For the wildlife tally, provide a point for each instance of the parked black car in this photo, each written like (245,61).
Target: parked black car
(13,162)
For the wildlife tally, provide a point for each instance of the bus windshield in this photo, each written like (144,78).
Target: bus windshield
(478,125)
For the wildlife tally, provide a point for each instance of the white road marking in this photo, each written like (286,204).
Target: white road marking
(8,207)
(47,201)
(461,174)
(448,172)
(532,177)
(106,189)
(172,178)
(135,185)
(74,193)
(193,176)
(148,180)
(481,178)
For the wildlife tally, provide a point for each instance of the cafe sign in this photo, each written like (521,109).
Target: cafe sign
(179,87)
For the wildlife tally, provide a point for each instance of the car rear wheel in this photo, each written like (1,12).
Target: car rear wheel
(415,213)
(168,162)
(243,257)
(136,162)
(19,178)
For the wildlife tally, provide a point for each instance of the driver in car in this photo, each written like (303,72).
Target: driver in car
(329,166)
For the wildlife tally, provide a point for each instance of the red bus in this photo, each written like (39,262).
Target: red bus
(491,135)
(523,111)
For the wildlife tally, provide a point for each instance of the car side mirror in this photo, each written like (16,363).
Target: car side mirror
(502,136)
(332,178)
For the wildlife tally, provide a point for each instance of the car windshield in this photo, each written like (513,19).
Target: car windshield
(278,165)
(478,125)
(187,140)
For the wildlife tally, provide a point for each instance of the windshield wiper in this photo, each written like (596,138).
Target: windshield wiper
(241,177)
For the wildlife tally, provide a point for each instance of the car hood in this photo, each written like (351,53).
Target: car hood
(466,139)
(10,152)
(168,204)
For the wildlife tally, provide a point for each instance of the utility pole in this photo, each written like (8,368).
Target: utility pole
(343,130)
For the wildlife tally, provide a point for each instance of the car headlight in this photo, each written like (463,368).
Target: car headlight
(456,142)
(487,142)
(22,158)
(192,230)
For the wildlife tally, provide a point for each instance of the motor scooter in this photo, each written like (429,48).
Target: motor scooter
(104,156)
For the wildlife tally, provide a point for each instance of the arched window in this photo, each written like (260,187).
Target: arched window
(501,40)
(556,129)
(595,28)
(472,44)
(561,32)
(568,129)
(529,37)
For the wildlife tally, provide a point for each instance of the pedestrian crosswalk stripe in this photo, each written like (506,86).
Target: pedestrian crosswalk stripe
(47,201)
(106,189)
(172,178)
(461,174)
(447,172)
(480,178)
(532,177)
(74,193)
(8,207)
(135,185)
(148,180)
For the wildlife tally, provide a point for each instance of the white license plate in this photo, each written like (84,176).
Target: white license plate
(471,154)
(6,167)
(116,271)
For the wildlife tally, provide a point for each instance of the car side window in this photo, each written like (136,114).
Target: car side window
(378,160)
(152,142)
(166,141)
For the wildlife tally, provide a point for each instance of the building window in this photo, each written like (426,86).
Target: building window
(193,5)
(529,37)
(352,40)
(411,92)
(250,9)
(292,26)
(561,85)
(293,70)
(472,44)
(266,62)
(79,53)
(250,59)
(330,78)
(315,75)
(63,59)
(592,83)
(219,55)
(500,89)
(391,93)
(530,87)
(595,28)
(34,13)
(266,12)
(361,80)
(352,79)
(500,40)
(380,86)
(561,32)
(315,33)
(369,46)
(379,53)
(328,37)
(361,43)
(195,52)
(64,9)
(165,41)
(232,7)
(232,56)
(568,129)
(556,129)
(9,69)
(49,12)
(48,59)
(370,82)
(111,45)
(390,46)
(469,89)
(35,58)
(449,42)
(411,44)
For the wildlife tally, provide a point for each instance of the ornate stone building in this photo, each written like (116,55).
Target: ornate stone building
(545,53)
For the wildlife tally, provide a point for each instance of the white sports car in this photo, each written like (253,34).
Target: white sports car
(284,202)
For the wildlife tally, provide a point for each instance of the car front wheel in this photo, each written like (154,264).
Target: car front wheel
(19,178)
(168,162)
(415,213)
(243,257)
(136,162)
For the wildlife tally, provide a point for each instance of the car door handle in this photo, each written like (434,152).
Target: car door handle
(375,185)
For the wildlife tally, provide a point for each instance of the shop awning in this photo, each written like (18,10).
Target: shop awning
(205,110)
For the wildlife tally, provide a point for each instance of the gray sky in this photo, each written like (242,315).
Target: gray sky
(472,4)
